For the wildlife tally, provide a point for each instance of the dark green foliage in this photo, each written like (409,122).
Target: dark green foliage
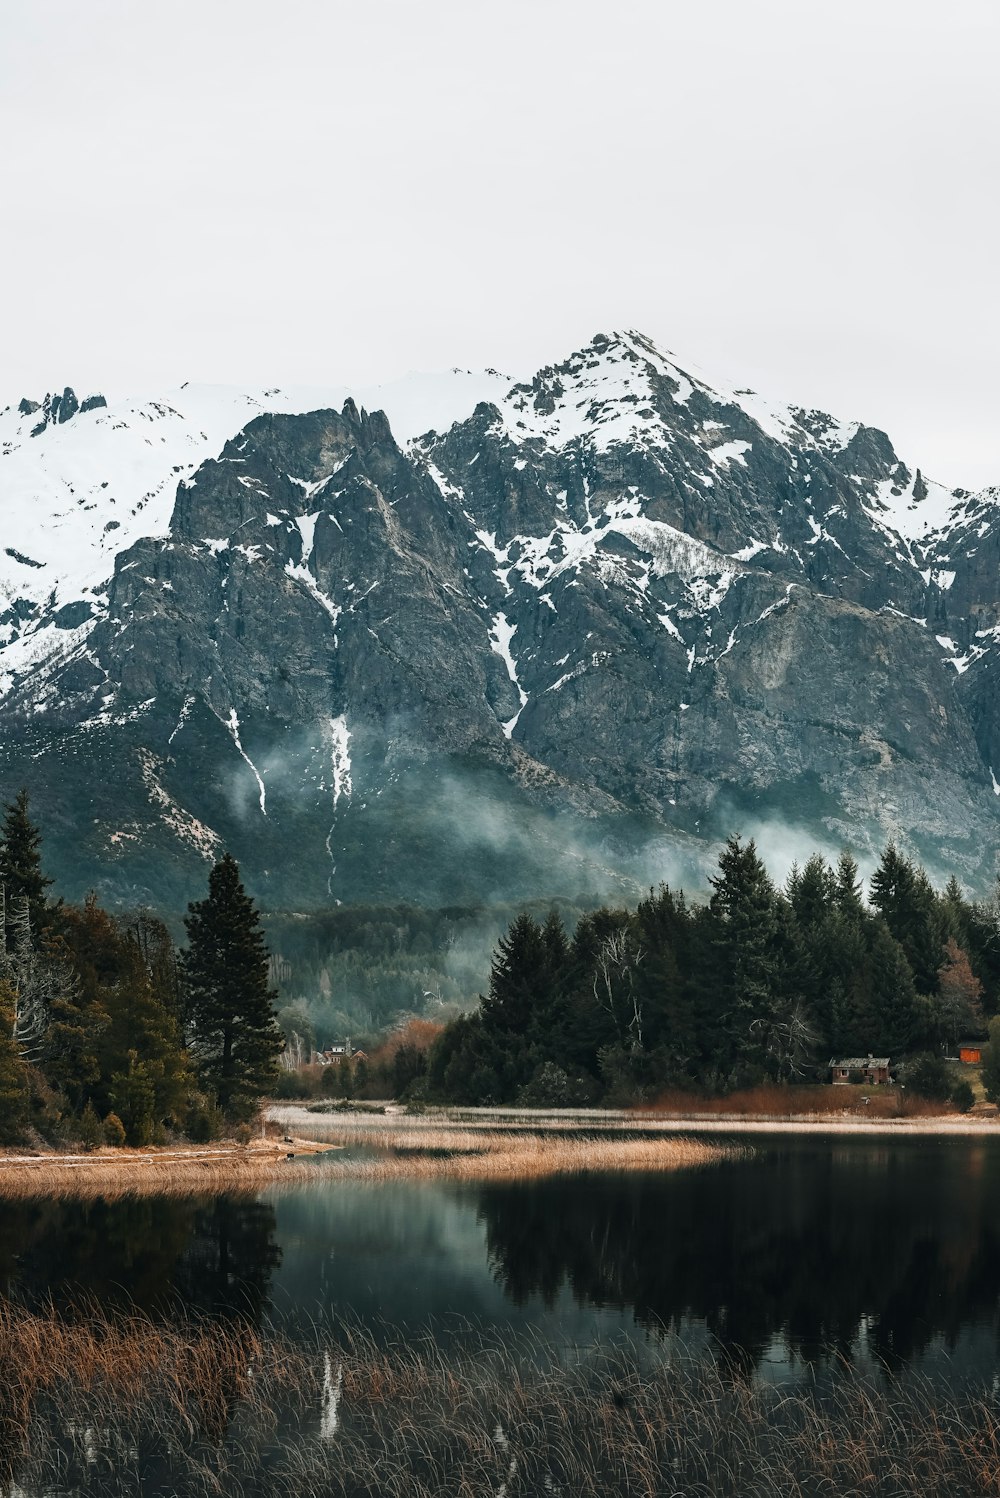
(21,863)
(407,1065)
(14,1087)
(550,1087)
(991,1063)
(928,1076)
(757,985)
(903,896)
(90,1130)
(962,1095)
(229,1003)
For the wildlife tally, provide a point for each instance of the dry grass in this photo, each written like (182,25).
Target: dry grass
(169,1171)
(120,1406)
(438,1145)
(394,1147)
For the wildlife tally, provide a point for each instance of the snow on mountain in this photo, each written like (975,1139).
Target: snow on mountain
(80,483)
(617,587)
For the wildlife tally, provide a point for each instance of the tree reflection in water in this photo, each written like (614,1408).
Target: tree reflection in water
(832,1250)
(212,1255)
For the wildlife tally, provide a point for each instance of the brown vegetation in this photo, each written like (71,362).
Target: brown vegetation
(174,1171)
(771,1101)
(104,1402)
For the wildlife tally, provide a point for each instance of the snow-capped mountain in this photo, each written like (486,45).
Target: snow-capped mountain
(492,637)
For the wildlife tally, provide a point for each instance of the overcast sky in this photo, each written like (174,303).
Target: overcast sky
(800,196)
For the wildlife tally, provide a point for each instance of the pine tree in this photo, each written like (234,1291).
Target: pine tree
(230,1007)
(902,894)
(745,908)
(21,863)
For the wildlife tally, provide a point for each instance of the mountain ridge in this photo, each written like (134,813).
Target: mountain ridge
(616,606)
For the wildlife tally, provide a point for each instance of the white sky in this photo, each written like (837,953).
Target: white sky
(801,195)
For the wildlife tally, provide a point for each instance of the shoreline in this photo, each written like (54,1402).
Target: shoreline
(158,1170)
(459,1143)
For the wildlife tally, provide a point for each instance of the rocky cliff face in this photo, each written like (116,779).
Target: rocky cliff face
(561,643)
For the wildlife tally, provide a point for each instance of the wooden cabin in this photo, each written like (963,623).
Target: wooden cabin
(971,1051)
(870,1071)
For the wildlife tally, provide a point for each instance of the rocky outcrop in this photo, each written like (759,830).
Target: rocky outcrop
(562,645)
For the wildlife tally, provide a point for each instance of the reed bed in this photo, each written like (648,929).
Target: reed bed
(113,1174)
(123,1405)
(393,1148)
(437,1145)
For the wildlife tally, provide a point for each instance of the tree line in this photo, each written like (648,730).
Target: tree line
(754,984)
(108,1033)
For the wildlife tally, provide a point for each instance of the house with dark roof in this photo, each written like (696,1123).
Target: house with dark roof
(870,1071)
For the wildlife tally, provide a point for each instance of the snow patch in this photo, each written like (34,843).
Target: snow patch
(233,724)
(500,636)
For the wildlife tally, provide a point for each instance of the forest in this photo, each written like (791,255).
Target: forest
(110,1033)
(753,984)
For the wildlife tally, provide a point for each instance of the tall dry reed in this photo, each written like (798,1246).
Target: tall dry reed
(123,1405)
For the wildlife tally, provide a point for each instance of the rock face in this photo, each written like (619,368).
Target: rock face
(561,644)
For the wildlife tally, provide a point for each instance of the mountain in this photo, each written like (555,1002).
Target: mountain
(463,638)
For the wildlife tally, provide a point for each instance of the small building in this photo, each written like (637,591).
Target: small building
(971,1051)
(332,1055)
(870,1071)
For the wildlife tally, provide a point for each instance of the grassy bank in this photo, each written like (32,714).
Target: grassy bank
(173,1170)
(393,1147)
(489,1146)
(125,1406)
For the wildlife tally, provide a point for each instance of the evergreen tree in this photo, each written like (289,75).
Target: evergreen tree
(230,1007)
(903,896)
(744,905)
(991,1063)
(21,864)
(895,1014)
(848,886)
(666,993)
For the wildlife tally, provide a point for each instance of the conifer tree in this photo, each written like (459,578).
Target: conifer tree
(902,894)
(230,1007)
(744,905)
(21,863)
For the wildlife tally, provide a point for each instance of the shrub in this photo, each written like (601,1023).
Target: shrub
(291,1084)
(929,1076)
(114,1130)
(962,1095)
(550,1087)
(89,1129)
(204,1121)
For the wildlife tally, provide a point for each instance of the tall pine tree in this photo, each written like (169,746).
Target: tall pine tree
(21,863)
(230,1007)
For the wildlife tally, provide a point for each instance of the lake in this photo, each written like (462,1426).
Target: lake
(796,1252)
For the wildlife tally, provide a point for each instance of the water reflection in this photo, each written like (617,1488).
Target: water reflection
(831,1251)
(805,1250)
(214,1255)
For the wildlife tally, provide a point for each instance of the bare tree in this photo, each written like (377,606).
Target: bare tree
(618,958)
(37,980)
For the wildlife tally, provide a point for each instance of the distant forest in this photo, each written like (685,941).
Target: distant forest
(755,984)
(108,1032)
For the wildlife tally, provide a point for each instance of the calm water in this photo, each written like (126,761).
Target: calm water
(883,1251)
